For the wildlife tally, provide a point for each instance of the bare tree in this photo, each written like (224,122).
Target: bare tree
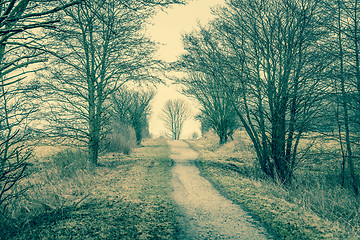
(132,107)
(216,108)
(174,114)
(345,76)
(20,49)
(268,55)
(285,64)
(100,47)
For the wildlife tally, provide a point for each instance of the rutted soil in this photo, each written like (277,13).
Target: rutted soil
(206,214)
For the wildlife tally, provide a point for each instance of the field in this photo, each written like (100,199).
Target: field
(128,197)
(315,207)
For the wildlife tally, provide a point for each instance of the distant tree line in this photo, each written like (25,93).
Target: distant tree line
(279,69)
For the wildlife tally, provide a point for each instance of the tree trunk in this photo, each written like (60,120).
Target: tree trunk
(223,139)
(138,134)
(94,132)
(94,150)
(339,101)
(344,102)
(94,141)
(278,149)
(354,180)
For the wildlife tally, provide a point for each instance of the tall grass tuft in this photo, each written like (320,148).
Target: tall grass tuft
(60,183)
(327,199)
(68,163)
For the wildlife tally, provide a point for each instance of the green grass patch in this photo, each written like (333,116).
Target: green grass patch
(129,197)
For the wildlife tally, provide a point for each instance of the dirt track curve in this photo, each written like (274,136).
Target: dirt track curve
(205,213)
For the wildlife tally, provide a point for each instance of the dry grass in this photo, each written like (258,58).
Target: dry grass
(127,198)
(240,148)
(316,207)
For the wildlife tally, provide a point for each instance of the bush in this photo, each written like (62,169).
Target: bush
(121,139)
(195,135)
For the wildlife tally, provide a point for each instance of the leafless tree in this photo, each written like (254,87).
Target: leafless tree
(132,107)
(269,56)
(174,114)
(20,50)
(216,108)
(100,47)
(345,76)
(285,60)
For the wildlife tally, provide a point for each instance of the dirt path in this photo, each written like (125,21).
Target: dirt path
(205,213)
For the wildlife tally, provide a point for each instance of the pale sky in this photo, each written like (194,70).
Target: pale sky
(167,29)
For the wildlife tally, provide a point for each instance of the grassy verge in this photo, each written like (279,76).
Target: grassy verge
(237,178)
(127,198)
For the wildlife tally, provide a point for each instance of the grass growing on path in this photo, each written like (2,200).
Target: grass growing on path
(129,198)
(232,169)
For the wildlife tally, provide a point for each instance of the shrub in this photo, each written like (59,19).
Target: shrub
(121,139)
(195,135)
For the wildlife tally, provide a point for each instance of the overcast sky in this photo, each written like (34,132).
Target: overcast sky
(167,29)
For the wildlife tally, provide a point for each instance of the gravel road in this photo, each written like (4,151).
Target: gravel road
(205,213)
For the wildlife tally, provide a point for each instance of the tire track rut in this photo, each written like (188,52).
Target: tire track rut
(205,213)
